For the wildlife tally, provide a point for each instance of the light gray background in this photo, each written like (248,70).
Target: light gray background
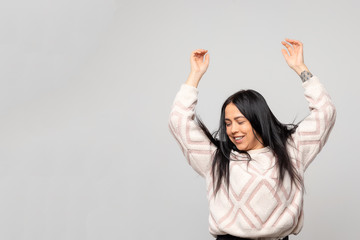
(86,90)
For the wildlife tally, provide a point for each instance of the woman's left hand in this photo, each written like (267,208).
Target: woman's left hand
(296,59)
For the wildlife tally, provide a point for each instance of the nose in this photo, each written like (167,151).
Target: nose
(234,128)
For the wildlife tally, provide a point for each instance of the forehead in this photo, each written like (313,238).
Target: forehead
(231,111)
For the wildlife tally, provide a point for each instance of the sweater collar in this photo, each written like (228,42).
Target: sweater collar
(251,152)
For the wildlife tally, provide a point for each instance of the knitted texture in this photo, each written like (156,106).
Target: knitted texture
(254,208)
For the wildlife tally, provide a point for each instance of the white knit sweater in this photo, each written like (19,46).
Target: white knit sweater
(253,209)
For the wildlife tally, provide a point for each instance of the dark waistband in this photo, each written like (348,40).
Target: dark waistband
(231,237)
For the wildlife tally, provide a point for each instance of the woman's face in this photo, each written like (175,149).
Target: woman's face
(239,129)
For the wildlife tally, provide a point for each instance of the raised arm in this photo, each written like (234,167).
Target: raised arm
(194,144)
(313,132)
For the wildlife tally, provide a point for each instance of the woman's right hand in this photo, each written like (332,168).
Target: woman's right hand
(198,65)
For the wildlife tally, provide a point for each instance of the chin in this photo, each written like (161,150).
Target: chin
(241,148)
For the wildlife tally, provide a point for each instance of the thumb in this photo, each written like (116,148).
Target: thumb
(207,59)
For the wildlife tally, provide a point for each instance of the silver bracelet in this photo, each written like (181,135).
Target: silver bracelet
(305,75)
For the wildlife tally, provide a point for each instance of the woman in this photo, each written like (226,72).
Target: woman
(253,164)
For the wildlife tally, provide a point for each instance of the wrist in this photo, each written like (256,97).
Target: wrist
(305,75)
(299,69)
(193,79)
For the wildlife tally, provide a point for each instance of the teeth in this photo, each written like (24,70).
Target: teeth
(238,138)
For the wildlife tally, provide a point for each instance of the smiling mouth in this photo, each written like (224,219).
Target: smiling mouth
(238,139)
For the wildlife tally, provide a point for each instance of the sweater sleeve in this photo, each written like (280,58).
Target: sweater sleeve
(195,145)
(313,132)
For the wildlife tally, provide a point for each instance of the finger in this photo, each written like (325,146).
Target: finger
(293,41)
(285,54)
(200,53)
(298,46)
(199,57)
(196,55)
(289,48)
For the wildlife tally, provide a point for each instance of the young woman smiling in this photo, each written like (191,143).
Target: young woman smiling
(253,164)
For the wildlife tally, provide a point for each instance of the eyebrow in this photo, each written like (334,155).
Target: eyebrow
(235,118)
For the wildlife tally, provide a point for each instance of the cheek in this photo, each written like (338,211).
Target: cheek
(248,129)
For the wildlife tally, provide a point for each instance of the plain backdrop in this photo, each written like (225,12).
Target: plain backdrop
(86,88)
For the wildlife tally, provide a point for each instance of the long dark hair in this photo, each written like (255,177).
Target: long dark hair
(273,133)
